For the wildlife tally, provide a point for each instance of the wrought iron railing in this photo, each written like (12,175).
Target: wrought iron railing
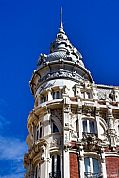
(55,174)
(93,175)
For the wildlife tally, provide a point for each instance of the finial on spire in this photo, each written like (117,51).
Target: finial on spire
(61,24)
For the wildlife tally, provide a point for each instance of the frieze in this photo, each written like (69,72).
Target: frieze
(61,73)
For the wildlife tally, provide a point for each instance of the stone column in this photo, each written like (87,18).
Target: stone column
(80,122)
(66,164)
(81,162)
(66,170)
(103,162)
(49,95)
(97,121)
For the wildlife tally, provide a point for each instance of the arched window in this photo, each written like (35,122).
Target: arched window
(89,126)
(54,128)
(92,167)
(55,167)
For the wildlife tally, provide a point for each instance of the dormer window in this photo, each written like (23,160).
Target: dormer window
(89,126)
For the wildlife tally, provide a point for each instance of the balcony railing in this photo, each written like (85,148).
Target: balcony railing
(93,175)
(55,174)
(55,140)
(87,135)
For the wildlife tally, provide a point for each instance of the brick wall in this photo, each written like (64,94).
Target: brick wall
(74,164)
(112,166)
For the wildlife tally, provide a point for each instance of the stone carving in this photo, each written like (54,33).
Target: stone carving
(57,113)
(104,94)
(45,86)
(66,138)
(89,111)
(62,73)
(54,143)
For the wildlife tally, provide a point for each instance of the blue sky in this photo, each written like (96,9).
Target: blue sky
(26,29)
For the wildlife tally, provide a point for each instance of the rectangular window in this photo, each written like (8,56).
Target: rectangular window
(55,166)
(95,166)
(91,167)
(87,165)
(89,126)
(41,131)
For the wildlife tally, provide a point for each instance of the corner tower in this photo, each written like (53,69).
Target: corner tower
(73,127)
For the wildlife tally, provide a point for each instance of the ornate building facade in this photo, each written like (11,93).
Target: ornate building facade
(74,125)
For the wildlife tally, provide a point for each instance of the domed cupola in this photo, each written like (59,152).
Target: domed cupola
(63,62)
(62,49)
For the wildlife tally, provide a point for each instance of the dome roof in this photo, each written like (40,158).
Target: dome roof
(62,49)
(62,55)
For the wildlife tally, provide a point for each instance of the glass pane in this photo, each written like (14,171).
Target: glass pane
(53,95)
(87,165)
(58,163)
(55,129)
(95,166)
(92,126)
(37,135)
(41,132)
(36,172)
(57,95)
(85,126)
(77,127)
(53,165)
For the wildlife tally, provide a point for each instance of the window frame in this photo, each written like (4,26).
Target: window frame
(87,127)
(92,171)
(39,131)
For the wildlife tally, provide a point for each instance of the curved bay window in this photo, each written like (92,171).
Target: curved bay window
(55,167)
(92,167)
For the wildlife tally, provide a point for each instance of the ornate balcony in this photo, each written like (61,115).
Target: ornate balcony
(89,136)
(55,140)
(55,174)
(91,142)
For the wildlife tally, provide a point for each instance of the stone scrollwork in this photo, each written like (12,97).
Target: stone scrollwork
(87,110)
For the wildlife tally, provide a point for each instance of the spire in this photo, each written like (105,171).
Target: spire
(61,23)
